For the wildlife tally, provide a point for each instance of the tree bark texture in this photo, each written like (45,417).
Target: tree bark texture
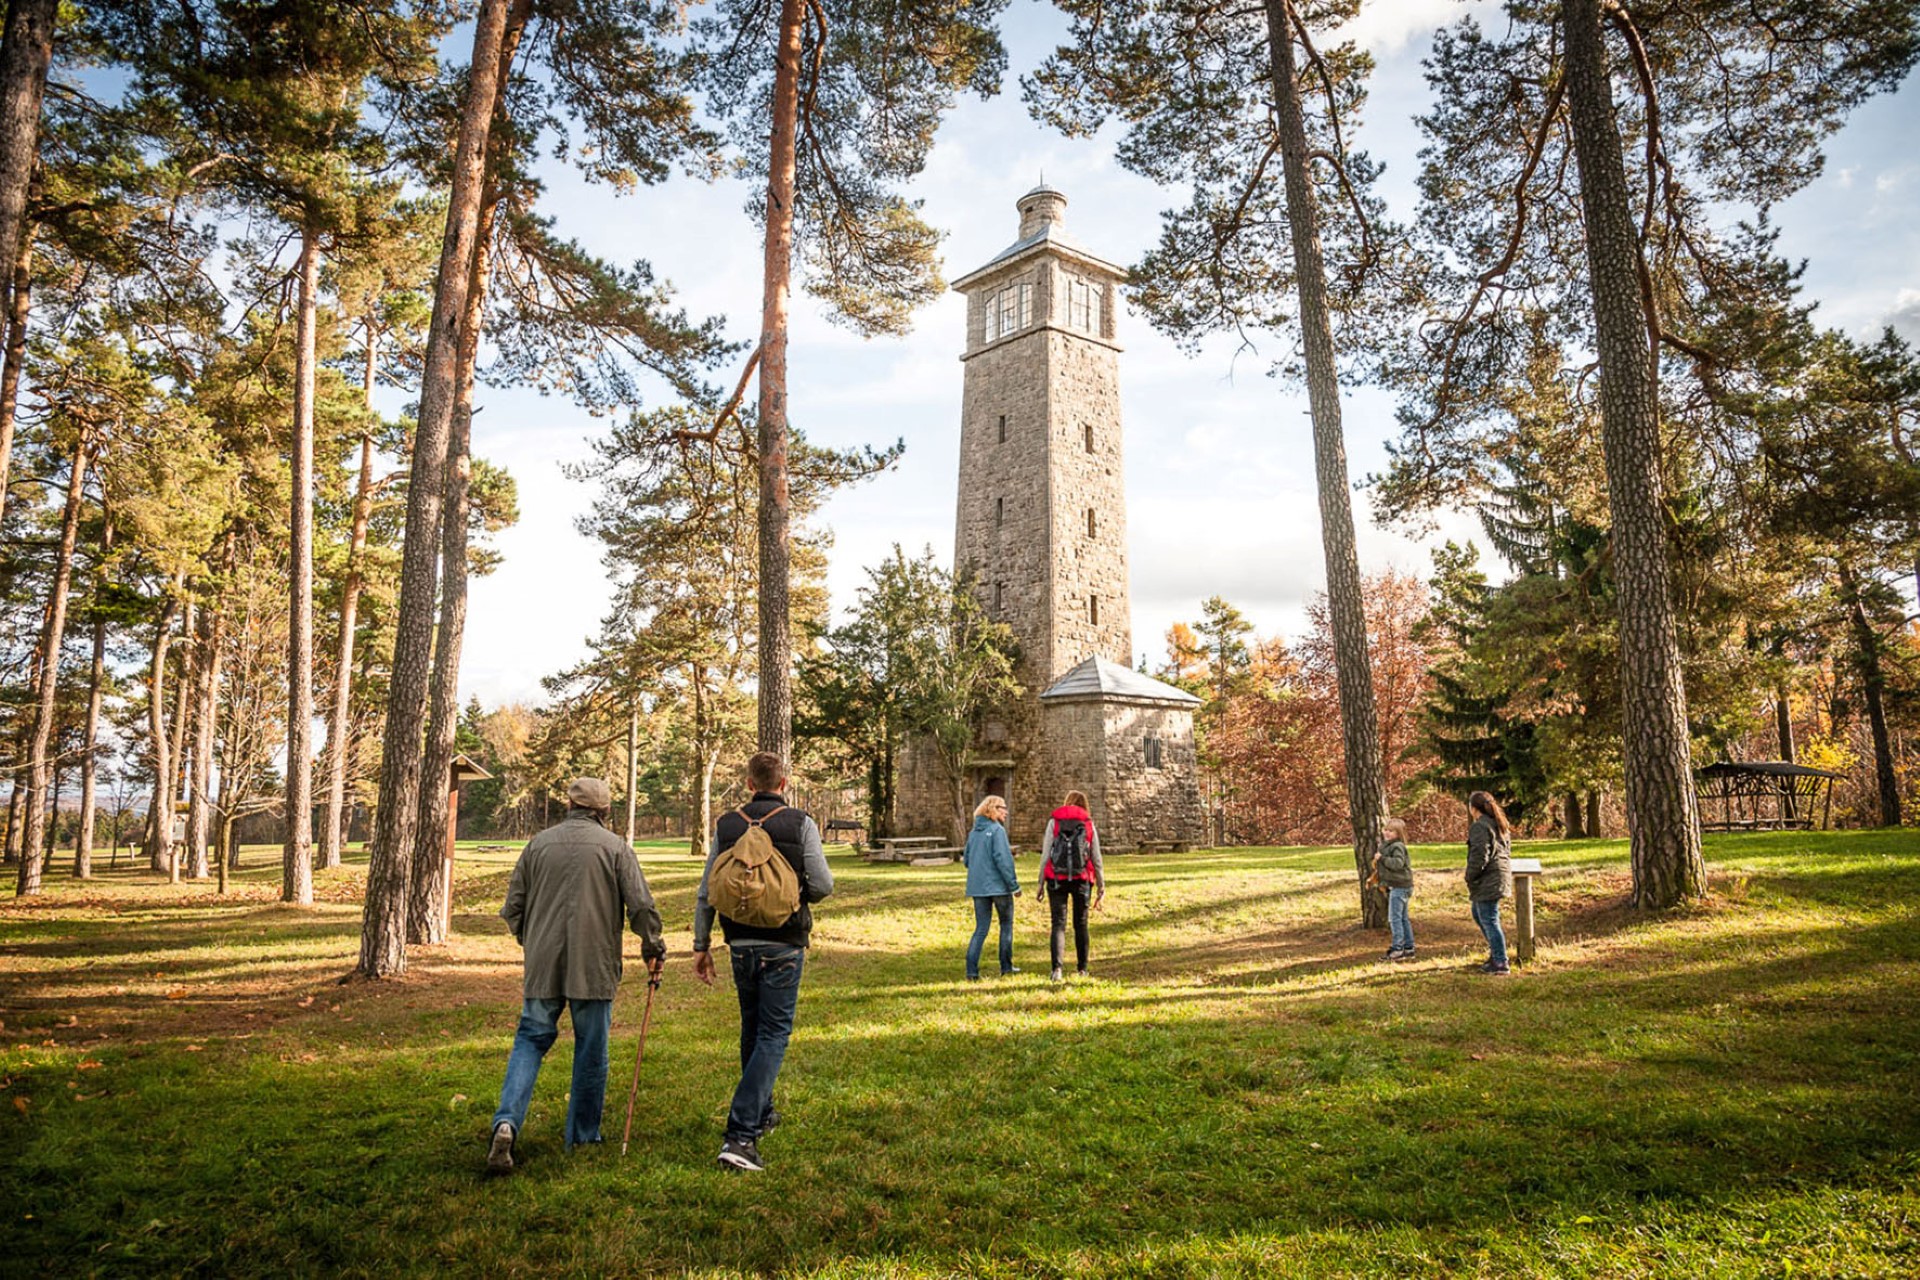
(53,631)
(775,508)
(96,691)
(296,855)
(429,890)
(159,850)
(383,929)
(13,815)
(206,696)
(1575,816)
(26,50)
(1359,723)
(1873,688)
(181,754)
(633,766)
(19,310)
(333,821)
(1783,723)
(1661,810)
(1596,824)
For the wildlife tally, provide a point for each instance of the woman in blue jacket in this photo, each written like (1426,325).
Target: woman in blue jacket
(992,883)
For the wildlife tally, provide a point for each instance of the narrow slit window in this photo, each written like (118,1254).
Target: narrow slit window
(999,512)
(1091,529)
(1089,437)
(999,597)
(1003,428)
(1093,610)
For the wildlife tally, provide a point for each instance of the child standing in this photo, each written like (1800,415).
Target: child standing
(1394,865)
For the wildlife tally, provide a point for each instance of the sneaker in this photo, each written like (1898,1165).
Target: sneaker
(742,1154)
(1081,972)
(773,1122)
(1495,969)
(1009,971)
(1404,954)
(500,1152)
(1056,976)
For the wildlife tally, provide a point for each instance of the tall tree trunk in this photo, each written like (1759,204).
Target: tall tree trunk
(15,819)
(52,633)
(53,802)
(296,856)
(26,49)
(775,511)
(19,310)
(1576,827)
(633,766)
(1359,723)
(383,928)
(212,653)
(333,823)
(1661,814)
(96,689)
(1873,686)
(1783,722)
(158,808)
(1596,824)
(181,755)
(427,909)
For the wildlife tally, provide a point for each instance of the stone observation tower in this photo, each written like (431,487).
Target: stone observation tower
(1042,526)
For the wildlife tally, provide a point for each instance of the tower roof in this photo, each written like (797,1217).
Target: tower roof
(1099,678)
(1042,228)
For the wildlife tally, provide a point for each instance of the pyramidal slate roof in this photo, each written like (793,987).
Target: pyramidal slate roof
(1096,677)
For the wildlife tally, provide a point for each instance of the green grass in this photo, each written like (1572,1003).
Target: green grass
(1243,1088)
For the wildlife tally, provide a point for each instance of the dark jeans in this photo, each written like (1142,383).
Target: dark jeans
(539,1027)
(984,910)
(767,980)
(1487,916)
(1058,895)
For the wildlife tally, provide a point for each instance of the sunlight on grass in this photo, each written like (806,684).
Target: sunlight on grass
(1243,1087)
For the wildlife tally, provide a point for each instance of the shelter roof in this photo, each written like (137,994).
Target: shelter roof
(1762,769)
(1099,678)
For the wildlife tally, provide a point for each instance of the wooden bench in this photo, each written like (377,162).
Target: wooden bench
(844,824)
(911,849)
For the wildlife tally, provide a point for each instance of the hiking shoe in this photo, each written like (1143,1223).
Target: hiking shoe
(742,1154)
(500,1151)
(1057,976)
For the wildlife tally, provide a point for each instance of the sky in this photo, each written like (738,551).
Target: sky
(1219,465)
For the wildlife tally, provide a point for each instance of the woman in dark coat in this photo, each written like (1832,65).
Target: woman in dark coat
(1489,873)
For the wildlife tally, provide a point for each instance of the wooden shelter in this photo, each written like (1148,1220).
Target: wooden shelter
(1764,795)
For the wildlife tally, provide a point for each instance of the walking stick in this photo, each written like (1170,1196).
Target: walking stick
(653,983)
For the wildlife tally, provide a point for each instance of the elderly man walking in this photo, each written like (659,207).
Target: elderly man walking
(569,890)
(767,959)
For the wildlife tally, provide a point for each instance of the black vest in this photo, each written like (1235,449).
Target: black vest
(785,830)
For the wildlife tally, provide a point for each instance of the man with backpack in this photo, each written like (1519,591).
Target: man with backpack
(1070,872)
(765,869)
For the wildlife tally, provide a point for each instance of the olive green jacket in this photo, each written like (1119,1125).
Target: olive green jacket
(572,885)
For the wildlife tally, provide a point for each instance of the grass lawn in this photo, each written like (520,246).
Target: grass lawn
(1244,1087)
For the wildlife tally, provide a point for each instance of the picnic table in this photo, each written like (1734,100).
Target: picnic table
(925,851)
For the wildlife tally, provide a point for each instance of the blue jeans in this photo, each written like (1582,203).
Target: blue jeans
(539,1027)
(1487,916)
(767,980)
(1397,918)
(984,910)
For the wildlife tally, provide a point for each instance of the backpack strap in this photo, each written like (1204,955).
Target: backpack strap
(761,820)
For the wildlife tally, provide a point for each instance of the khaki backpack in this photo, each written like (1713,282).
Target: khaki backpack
(752,883)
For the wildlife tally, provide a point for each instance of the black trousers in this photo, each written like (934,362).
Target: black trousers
(1059,893)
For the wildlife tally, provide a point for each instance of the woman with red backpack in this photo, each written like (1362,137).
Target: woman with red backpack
(1071,872)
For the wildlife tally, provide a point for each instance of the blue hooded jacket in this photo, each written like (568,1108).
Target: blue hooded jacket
(990,869)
